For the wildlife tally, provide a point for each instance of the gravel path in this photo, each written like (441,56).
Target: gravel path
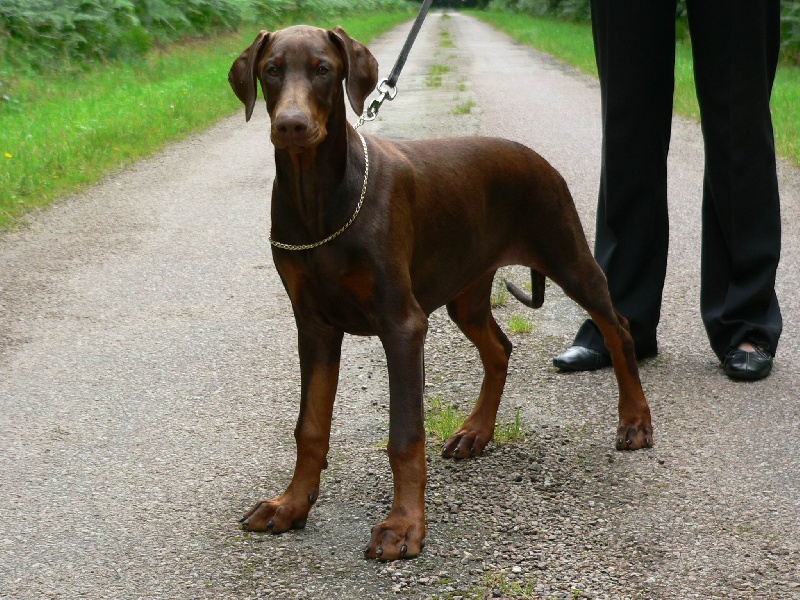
(149,386)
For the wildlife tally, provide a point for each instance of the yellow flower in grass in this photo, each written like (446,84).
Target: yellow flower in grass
(9,155)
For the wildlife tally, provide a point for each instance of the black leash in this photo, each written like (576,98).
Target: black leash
(391,81)
(390,91)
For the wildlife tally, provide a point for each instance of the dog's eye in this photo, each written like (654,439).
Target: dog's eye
(272,71)
(322,70)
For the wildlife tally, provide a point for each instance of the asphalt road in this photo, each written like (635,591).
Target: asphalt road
(149,382)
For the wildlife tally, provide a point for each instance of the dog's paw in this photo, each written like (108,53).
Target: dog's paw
(467,442)
(396,538)
(634,437)
(278,514)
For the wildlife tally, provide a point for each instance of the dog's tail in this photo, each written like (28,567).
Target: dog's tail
(536,298)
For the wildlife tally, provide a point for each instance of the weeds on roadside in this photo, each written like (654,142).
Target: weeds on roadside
(520,324)
(464,108)
(434,78)
(442,419)
(446,42)
(506,433)
(500,295)
(510,589)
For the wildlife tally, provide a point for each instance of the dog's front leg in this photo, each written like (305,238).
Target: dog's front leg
(320,351)
(402,534)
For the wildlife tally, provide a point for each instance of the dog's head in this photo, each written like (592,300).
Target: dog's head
(301,70)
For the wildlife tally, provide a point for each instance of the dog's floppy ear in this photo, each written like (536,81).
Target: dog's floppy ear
(243,77)
(361,68)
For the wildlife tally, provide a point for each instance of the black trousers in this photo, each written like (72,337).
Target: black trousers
(735,45)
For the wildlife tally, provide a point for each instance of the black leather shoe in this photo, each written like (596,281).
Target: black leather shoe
(749,366)
(578,358)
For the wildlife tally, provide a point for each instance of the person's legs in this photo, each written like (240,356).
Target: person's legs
(735,45)
(635,50)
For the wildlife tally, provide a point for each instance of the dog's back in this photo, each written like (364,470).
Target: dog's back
(473,204)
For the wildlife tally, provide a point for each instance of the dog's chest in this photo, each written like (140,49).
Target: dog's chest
(340,293)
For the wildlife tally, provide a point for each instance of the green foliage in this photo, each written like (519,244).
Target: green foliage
(273,11)
(169,19)
(574,10)
(45,35)
(39,36)
(790,30)
(34,32)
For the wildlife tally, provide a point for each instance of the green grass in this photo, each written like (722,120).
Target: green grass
(464,108)
(446,42)
(442,420)
(510,589)
(519,324)
(506,433)
(572,43)
(786,112)
(435,73)
(62,133)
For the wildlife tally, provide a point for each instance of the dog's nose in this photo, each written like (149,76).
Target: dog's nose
(291,123)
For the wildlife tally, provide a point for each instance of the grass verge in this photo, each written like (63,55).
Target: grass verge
(62,133)
(572,43)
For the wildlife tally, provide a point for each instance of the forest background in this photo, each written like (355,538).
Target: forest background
(87,86)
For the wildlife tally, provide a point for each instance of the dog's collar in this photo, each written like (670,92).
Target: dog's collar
(336,234)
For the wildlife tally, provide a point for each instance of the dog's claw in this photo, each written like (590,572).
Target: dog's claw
(469,441)
(634,437)
(270,525)
(396,538)
(312,497)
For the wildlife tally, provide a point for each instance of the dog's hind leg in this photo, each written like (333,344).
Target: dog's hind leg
(472,312)
(587,286)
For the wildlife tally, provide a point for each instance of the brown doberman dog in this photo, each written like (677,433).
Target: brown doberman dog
(371,236)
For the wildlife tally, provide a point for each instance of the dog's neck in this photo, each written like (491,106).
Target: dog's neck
(311,198)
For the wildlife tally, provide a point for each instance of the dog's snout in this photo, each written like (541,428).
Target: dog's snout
(294,130)
(290,123)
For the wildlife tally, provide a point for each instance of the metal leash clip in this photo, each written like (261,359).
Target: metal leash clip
(386,93)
